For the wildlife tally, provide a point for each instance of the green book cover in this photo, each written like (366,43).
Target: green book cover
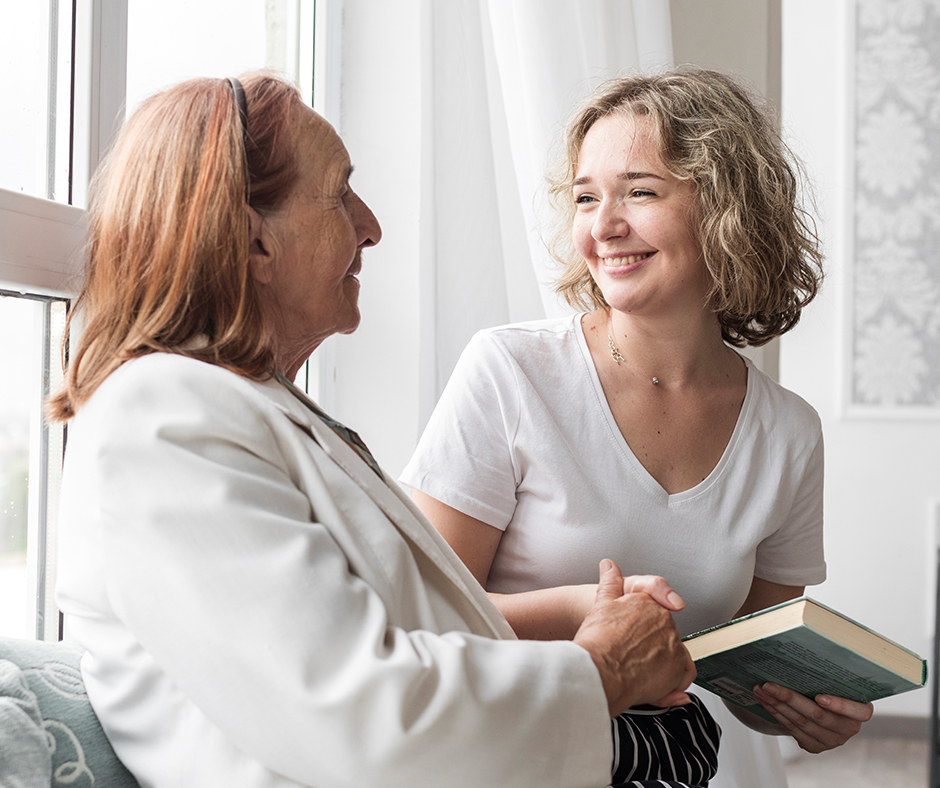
(805,660)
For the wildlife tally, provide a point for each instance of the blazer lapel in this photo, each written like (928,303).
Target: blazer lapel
(393,502)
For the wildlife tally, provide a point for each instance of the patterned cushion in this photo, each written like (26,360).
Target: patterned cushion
(81,754)
(24,755)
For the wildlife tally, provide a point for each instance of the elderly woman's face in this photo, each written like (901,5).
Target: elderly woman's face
(315,243)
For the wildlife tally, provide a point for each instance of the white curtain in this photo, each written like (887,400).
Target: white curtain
(548,55)
(505,75)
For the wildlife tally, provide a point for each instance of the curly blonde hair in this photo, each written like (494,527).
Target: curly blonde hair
(758,244)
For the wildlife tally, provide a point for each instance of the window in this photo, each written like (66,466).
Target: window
(39,233)
(169,41)
(34,125)
(30,456)
(81,67)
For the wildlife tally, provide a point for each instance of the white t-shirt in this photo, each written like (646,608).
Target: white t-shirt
(524,440)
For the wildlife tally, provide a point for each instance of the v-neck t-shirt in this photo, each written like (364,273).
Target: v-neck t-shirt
(523,439)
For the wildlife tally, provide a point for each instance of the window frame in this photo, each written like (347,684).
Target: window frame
(41,243)
(40,239)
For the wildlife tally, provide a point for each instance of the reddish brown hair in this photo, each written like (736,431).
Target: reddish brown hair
(166,264)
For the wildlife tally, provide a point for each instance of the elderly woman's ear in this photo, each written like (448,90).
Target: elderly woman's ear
(261,248)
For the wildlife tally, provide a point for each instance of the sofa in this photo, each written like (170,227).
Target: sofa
(49,734)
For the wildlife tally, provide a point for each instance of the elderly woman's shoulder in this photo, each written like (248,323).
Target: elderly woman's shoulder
(165,406)
(171,366)
(171,381)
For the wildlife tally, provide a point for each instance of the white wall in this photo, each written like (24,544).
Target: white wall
(882,475)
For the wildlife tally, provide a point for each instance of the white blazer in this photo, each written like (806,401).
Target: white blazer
(259,608)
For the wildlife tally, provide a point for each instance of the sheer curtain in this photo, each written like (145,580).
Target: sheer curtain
(505,75)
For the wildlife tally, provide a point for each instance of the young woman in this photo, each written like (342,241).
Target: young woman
(634,429)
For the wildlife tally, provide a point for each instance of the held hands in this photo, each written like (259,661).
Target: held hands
(817,725)
(581,598)
(633,641)
(629,673)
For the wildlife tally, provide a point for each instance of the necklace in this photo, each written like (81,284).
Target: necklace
(615,355)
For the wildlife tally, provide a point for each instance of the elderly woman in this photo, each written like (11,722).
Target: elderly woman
(633,428)
(259,606)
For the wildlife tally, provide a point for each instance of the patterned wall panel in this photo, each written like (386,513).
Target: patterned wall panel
(895,337)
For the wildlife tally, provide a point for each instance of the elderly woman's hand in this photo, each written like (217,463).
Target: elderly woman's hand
(635,646)
(817,725)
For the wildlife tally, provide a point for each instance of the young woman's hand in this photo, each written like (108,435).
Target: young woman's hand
(817,725)
(657,587)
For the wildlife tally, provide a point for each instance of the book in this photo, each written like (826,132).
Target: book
(804,646)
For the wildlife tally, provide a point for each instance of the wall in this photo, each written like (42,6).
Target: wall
(883,473)
(741,37)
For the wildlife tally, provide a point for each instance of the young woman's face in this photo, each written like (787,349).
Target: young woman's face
(634,222)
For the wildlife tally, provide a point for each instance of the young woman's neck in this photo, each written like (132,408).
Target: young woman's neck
(683,349)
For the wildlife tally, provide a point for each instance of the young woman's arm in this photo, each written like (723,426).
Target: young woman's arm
(546,614)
